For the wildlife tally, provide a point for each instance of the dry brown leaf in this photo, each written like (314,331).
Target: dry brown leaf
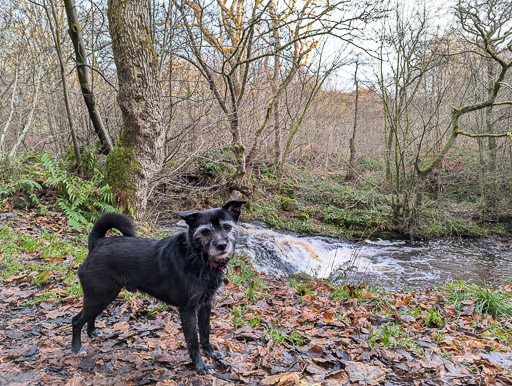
(403,300)
(469,307)
(52,259)
(365,294)
(283,379)
(364,373)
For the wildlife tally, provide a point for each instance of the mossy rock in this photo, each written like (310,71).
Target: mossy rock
(289,204)
(303,216)
(236,195)
(287,190)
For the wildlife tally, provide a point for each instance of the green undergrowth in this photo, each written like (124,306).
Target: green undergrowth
(243,275)
(47,261)
(455,219)
(44,183)
(308,201)
(327,204)
(392,335)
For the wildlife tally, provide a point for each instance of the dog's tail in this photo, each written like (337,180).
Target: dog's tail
(108,221)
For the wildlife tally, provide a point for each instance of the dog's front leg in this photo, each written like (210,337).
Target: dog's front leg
(189,325)
(203,319)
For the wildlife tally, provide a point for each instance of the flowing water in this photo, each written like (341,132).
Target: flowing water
(391,265)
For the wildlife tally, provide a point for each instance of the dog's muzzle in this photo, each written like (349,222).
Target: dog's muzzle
(220,260)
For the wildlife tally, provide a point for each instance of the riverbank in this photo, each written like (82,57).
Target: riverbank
(308,201)
(329,205)
(272,331)
(325,203)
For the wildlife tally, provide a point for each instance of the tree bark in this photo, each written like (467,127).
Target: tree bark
(82,69)
(21,136)
(139,152)
(11,112)
(352,141)
(65,89)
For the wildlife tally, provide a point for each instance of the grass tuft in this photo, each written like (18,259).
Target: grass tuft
(487,300)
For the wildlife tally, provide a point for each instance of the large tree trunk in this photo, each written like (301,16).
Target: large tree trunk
(82,69)
(138,154)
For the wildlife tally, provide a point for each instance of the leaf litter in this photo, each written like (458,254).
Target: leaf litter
(280,334)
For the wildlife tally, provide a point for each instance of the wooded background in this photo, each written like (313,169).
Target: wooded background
(419,91)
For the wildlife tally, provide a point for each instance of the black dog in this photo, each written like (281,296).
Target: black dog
(184,270)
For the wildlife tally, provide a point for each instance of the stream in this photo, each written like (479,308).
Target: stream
(390,265)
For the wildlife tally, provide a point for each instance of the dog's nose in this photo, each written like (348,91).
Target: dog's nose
(221,246)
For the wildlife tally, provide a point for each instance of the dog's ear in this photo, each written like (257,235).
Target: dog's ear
(234,207)
(189,216)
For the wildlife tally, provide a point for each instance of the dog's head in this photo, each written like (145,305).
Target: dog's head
(213,232)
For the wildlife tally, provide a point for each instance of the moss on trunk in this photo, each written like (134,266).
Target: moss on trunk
(122,172)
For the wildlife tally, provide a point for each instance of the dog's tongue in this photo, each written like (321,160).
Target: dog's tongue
(215,265)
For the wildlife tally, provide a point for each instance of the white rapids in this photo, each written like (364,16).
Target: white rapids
(391,265)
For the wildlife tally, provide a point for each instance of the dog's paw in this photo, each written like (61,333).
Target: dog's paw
(95,334)
(79,351)
(203,369)
(214,354)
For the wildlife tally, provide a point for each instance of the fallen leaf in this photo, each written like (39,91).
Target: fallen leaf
(499,359)
(283,379)
(247,334)
(365,373)
(432,361)
(469,307)
(407,319)
(365,294)
(52,259)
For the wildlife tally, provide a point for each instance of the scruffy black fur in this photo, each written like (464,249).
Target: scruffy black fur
(184,270)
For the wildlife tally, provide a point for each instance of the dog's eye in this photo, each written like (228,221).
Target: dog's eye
(226,227)
(205,232)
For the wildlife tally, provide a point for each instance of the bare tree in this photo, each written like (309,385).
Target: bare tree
(227,54)
(35,100)
(488,27)
(82,68)
(352,140)
(14,85)
(405,60)
(304,90)
(55,32)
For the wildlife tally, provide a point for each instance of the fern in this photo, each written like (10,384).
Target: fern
(28,186)
(80,200)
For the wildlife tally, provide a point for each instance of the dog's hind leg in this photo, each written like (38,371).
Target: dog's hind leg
(203,321)
(77,323)
(189,323)
(92,332)
(95,301)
